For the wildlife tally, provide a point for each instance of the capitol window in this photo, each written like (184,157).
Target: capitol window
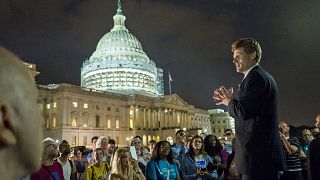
(48,106)
(131,123)
(74,122)
(85,124)
(54,121)
(109,123)
(85,105)
(97,121)
(54,104)
(75,104)
(117,124)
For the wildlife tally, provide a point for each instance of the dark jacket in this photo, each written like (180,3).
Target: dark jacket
(255,110)
(315,158)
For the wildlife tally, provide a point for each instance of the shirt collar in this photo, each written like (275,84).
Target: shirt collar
(247,72)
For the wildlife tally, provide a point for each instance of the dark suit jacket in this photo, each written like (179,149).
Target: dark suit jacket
(315,158)
(255,110)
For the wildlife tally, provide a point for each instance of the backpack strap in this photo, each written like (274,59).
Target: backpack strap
(92,176)
(71,164)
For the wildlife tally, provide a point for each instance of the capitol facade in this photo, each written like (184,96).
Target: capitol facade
(121,96)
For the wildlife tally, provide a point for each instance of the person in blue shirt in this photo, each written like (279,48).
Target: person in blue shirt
(180,148)
(161,166)
(197,164)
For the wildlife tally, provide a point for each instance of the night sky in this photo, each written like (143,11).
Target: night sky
(189,38)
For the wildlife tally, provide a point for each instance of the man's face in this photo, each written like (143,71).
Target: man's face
(30,131)
(64,149)
(229,135)
(182,137)
(317,123)
(315,131)
(94,142)
(285,128)
(110,148)
(242,61)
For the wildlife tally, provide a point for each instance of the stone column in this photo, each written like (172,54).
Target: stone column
(149,118)
(145,121)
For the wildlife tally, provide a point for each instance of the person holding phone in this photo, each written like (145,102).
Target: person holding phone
(125,167)
(197,164)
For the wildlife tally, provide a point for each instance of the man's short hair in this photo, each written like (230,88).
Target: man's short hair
(249,46)
(139,137)
(111,141)
(180,131)
(63,142)
(226,130)
(93,138)
(283,122)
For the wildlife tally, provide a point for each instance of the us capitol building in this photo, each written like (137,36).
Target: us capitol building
(121,96)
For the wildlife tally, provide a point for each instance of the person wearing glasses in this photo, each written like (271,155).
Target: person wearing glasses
(162,166)
(180,148)
(197,164)
(50,168)
(228,136)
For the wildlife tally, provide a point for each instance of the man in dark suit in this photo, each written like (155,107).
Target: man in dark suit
(255,110)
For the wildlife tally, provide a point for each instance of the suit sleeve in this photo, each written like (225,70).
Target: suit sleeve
(250,99)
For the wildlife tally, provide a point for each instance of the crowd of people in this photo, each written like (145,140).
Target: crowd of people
(200,157)
(197,157)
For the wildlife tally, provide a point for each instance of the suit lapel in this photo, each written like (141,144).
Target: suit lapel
(245,79)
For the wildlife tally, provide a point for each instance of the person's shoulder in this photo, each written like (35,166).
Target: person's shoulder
(315,142)
(57,163)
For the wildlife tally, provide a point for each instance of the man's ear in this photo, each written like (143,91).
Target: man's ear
(253,55)
(7,134)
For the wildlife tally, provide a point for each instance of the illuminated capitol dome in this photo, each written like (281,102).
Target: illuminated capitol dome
(120,65)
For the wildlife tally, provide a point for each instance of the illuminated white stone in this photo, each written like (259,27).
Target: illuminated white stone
(120,65)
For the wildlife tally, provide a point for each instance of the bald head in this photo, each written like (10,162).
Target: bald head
(14,77)
(20,122)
